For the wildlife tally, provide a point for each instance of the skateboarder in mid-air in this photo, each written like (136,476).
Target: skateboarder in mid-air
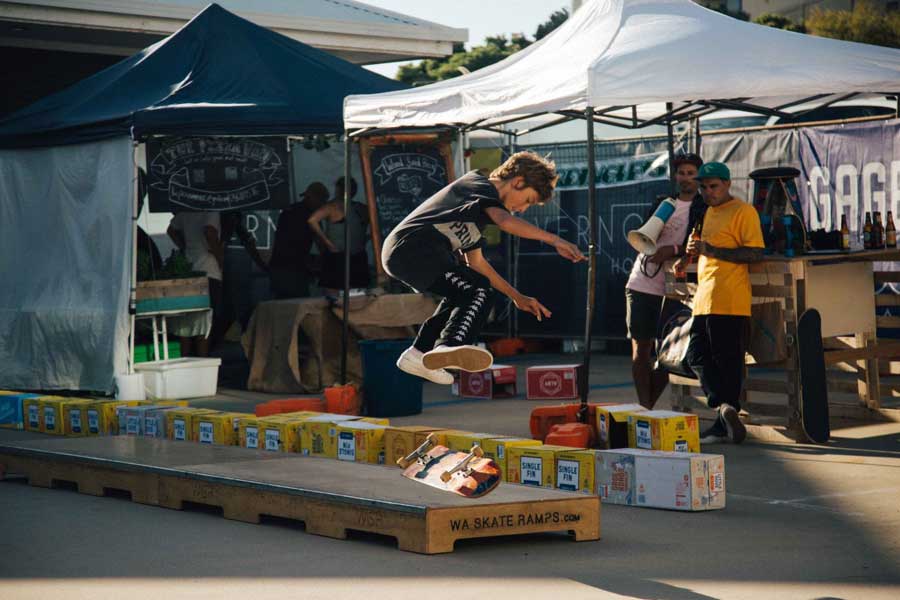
(424,252)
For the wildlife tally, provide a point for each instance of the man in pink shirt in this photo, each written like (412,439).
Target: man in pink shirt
(646,285)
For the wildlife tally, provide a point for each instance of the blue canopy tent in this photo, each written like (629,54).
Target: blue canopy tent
(68,180)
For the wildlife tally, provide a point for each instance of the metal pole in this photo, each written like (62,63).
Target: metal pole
(698,140)
(670,134)
(346,310)
(132,301)
(510,271)
(592,265)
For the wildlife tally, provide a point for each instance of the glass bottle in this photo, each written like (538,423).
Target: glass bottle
(845,234)
(867,232)
(890,233)
(877,232)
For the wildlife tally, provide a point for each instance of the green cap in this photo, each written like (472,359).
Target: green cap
(714,169)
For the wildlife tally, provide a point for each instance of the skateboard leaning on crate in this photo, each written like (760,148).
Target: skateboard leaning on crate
(470,475)
(813,385)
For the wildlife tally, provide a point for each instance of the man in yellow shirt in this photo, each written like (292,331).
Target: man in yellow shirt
(731,239)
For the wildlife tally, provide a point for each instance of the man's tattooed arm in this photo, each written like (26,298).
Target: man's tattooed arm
(741,255)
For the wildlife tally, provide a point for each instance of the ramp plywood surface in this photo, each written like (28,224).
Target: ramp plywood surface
(330,496)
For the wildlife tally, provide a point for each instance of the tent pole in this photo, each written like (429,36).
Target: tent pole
(670,135)
(511,329)
(592,265)
(132,301)
(697,138)
(346,308)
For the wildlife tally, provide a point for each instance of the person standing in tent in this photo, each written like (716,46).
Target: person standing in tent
(197,235)
(731,240)
(331,239)
(646,287)
(290,264)
(423,251)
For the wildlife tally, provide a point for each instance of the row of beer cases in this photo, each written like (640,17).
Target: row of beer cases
(674,480)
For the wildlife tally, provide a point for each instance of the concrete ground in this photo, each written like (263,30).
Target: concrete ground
(801,522)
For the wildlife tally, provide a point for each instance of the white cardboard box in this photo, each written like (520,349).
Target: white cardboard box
(671,480)
(180,378)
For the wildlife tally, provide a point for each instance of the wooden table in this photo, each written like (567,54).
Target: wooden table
(841,287)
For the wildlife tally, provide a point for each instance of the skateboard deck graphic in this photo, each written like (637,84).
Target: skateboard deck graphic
(470,475)
(813,386)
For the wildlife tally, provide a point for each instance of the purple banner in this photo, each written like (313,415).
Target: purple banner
(851,169)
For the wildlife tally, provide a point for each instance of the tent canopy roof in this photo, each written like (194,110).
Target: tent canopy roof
(628,58)
(218,75)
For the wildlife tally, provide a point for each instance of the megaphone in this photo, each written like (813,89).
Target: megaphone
(644,239)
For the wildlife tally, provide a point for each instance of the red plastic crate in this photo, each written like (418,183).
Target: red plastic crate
(286,405)
(543,418)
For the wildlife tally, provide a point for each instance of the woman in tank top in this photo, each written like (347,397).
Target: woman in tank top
(331,240)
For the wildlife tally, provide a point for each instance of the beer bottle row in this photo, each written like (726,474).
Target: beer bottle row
(875,234)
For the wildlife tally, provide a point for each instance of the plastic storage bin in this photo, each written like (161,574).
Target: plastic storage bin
(180,378)
(388,391)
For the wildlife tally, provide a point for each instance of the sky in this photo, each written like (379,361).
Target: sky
(482,18)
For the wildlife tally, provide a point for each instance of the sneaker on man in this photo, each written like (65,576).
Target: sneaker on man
(714,434)
(466,358)
(411,362)
(733,424)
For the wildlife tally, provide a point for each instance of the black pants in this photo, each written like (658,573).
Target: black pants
(716,354)
(460,316)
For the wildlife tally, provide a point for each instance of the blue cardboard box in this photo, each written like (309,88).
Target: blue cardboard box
(11,414)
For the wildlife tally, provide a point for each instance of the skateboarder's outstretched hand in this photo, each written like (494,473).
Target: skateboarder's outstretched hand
(568,250)
(531,305)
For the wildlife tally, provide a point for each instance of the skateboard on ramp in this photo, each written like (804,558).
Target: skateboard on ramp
(470,475)
(813,386)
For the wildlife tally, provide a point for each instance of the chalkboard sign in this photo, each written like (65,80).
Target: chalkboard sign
(217,173)
(401,172)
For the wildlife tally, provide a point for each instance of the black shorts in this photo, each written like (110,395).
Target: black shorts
(642,315)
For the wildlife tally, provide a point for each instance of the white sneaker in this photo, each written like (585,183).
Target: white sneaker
(411,362)
(467,358)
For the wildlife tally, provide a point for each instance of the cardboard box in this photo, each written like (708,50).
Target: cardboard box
(497,382)
(156,422)
(612,424)
(275,433)
(31,409)
(180,422)
(671,480)
(575,471)
(533,465)
(664,430)
(375,420)
(497,449)
(318,435)
(219,428)
(552,382)
(102,418)
(53,419)
(75,416)
(132,419)
(360,442)
(401,441)
(12,409)
(462,441)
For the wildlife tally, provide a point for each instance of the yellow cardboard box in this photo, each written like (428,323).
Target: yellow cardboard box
(180,423)
(75,416)
(664,430)
(218,428)
(612,424)
(31,407)
(462,441)
(358,441)
(276,433)
(575,471)
(533,465)
(497,449)
(52,415)
(318,434)
(401,441)
(102,418)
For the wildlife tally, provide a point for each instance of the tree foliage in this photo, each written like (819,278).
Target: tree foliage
(779,22)
(493,50)
(865,23)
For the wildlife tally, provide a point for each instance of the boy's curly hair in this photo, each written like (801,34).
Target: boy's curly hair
(538,173)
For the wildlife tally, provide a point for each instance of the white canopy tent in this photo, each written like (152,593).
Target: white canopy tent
(635,63)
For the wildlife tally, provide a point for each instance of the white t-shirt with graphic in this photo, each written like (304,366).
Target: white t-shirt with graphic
(673,233)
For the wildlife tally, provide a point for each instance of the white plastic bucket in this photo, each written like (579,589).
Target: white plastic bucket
(130,387)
